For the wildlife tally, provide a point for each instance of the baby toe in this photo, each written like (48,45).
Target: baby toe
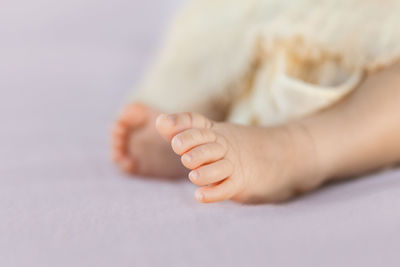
(202,155)
(170,125)
(118,155)
(191,138)
(218,192)
(211,173)
(128,165)
(119,131)
(119,143)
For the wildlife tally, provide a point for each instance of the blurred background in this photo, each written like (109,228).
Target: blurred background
(65,68)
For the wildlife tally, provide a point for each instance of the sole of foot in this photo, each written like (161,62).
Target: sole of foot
(137,147)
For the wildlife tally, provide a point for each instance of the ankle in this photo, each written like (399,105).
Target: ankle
(309,171)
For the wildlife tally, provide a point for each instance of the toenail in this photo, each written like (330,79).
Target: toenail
(186,158)
(194,175)
(177,141)
(199,196)
(172,119)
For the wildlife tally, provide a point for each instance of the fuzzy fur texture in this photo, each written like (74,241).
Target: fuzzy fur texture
(264,62)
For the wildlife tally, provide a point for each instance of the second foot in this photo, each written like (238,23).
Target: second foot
(139,149)
(241,163)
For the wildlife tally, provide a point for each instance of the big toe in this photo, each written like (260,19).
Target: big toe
(134,115)
(170,125)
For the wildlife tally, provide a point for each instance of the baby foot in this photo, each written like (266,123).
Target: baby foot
(242,163)
(138,148)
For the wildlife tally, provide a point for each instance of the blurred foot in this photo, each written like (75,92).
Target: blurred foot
(139,149)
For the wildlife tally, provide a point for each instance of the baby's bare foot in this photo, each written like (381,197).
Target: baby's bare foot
(138,148)
(245,164)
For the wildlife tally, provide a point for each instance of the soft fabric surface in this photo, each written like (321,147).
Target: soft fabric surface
(65,67)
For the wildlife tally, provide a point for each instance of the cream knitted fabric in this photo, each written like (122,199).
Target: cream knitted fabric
(269,61)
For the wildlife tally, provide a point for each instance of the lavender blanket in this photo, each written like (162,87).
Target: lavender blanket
(65,67)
